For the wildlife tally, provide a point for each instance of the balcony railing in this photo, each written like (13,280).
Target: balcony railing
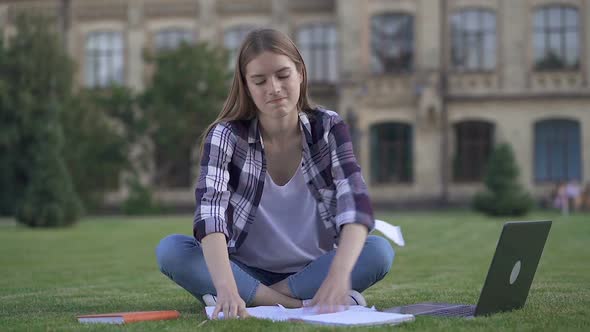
(387,91)
(557,82)
(479,83)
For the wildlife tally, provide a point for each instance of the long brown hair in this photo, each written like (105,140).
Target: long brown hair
(239,105)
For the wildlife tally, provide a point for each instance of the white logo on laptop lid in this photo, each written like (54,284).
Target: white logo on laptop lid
(515,272)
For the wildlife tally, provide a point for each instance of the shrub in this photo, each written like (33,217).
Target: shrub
(504,195)
(140,200)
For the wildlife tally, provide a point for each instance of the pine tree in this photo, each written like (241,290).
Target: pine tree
(49,199)
(504,195)
(8,137)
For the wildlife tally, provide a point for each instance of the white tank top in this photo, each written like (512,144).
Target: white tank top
(286,231)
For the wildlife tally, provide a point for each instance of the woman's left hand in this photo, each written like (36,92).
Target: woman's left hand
(333,294)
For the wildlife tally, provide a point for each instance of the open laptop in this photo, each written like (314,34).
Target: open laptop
(509,278)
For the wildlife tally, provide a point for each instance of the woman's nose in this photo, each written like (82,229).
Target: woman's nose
(275,87)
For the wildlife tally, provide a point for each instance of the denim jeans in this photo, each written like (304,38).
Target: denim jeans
(181,259)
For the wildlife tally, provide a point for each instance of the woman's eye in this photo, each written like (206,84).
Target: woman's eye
(282,77)
(259,83)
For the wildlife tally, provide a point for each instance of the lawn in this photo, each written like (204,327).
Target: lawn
(107,264)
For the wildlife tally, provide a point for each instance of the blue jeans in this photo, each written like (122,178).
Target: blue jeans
(180,257)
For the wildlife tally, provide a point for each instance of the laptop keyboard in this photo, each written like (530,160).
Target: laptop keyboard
(458,311)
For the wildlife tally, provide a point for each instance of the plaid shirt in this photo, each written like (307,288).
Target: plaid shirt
(233,169)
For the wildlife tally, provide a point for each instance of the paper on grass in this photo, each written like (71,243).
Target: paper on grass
(358,318)
(394,233)
(353,316)
(279,313)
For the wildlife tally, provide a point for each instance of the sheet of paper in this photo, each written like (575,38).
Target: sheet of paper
(394,233)
(280,313)
(358,318)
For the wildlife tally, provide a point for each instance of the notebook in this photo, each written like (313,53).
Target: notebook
(353,316)
(128,317)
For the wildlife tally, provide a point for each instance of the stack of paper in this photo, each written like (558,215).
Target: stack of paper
(353,316)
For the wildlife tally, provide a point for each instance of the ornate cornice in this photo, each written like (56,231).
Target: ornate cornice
(171,8)
(230,7)
(312,6)
(100,10)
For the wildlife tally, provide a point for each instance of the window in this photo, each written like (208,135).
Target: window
(104,59)
(391,153)
(319,47)
(557,150)
(556,38)
(168,39)
(473,40)
(232,40)
(474,141)
(392,43)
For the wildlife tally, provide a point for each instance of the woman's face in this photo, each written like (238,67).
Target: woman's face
(274,84)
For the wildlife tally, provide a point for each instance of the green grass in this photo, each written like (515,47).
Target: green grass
(47,277)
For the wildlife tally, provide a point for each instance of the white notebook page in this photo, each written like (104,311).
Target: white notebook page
(355,315)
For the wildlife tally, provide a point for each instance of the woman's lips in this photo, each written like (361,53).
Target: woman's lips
(277,100)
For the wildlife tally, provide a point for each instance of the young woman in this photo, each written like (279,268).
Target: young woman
(282,210)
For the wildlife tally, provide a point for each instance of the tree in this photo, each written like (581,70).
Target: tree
(35,85)
(504,195)
(9,177)
(101,129)
(184,96)
(49,199)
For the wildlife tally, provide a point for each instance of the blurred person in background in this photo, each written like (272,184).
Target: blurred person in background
(586,198)
(560,200)
(574,195)
(283,212)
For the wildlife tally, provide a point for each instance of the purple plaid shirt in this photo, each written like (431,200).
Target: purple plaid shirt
(233,170)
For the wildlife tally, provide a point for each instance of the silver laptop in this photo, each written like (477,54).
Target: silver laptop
(509,278)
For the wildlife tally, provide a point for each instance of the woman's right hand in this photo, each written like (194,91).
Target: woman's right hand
(231,304)
(228,299)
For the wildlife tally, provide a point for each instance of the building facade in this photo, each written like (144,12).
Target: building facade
(428,87)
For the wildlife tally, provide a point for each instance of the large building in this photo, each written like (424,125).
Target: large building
(427,86)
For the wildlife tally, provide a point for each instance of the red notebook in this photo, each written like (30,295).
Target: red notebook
(128,317)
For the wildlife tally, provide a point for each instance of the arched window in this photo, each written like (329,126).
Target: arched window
(392,42)
(171,38)
(557,150)
(391,153)
(474,142)
(233,38)
(556,38)
(319,47)
(473,34)
(104,58)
